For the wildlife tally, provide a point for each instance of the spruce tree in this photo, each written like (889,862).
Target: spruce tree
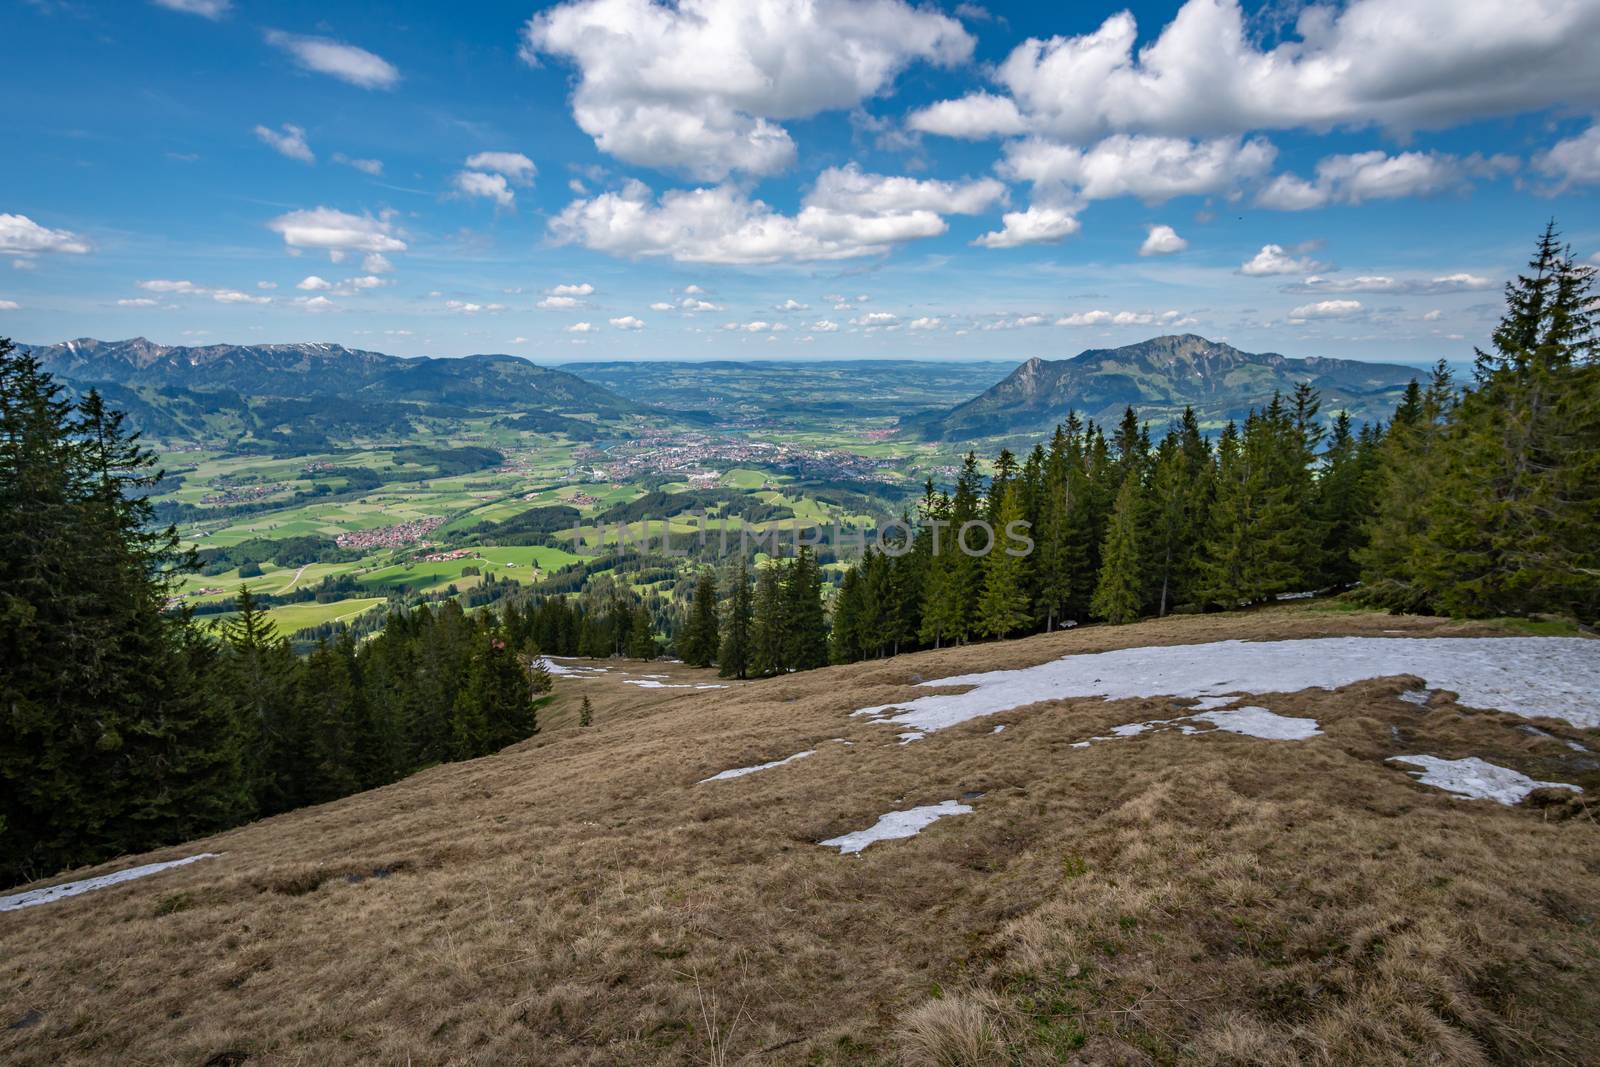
(805,618)
(1119,595)
(698,646)
(769,624)
(1004,605)
(733,660)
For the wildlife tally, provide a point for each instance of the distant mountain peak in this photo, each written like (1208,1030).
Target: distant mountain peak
(1159,377)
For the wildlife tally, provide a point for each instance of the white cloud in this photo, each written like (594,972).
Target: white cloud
(373,167)
(661,305)
(376,263)
(289,141)
(1376,175)
(757,326)
(824,326)
(975,116)
(1021,322)
(138,302)
(847,190)
(559,303)
(10,305)
(1461,282)
(464,307)
(1433,316)
(1275,259)
(1574,161)
(691,305)
(847,214)
(266,285)
(188,288)
(628,322)
(696,86)
(567,289)
(792,305)
(20,235)
(925,323)
(1162,241)
(211,9)
(343,61)
(489,186)
(513,165)
(234,296)
(1126,318)
(1326,309)
(582,327)
(876,320)
(1039,224)
(370,281)
(1154,169)
(1399,64)
(314,303)
(337,232)
(312,283)
(694,290)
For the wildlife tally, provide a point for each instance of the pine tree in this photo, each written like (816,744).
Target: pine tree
(734,658)
(805,618)
(698,646)
(1342,507)
(940,605)
(1119,596)
(586,713)
(641,631)
(845,645)
(769,625)
(1004,607)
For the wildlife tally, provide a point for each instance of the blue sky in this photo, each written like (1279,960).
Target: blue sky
(616,179)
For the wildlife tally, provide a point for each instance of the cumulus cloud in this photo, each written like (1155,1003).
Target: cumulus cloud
(1326,309)
(137,302)
(1037,225)
(1275,259)
(376,263)
(582,327)
(701,86)
(1398,64)
(1574,161)
(464,307)
(972,117)
(337,59)
(1154,169)
(514,166)
(338,232)
(211,9)
(559,303)
(1376,175)
(824,326)
(1125,318)
(628,322)
(792,305)
(846,214)
(757,326)
(489,186)
(10,305)
(312,283)
(1162,241)
(313,303)
(21,236)
(1461,282)
(569,289)
(289,140)
(876,320)
(925,323)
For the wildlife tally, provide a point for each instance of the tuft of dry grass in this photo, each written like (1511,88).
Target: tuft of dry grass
(580,899)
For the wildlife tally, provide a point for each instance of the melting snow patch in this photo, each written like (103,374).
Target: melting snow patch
(1294,596)
(72,889)
(1419,697)
(999,729)
(651,683)
(562,669)
(897,824)
(711,686)
(911,735)
(1555,676)
(1259,722)
(740,772)
(1473,777)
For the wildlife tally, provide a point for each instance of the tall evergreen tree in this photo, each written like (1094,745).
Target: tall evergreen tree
(806,621)
(734,658)
(769,631)
(1119,596)
(698,646)
(1004,607)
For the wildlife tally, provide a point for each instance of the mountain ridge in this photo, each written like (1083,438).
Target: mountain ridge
(1162,375)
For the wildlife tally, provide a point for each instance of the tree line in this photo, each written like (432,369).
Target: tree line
(125,725)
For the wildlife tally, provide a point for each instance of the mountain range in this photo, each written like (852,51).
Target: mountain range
(1159,378)
(310,389)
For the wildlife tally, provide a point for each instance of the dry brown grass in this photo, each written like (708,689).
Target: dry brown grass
(579,899)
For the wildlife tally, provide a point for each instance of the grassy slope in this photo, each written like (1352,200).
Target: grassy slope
(580,899)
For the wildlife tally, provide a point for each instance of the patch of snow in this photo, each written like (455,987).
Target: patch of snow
(1419,697)
(740,772)
(1294,596)
(712,685)
(553,667)
(911,735)
(71,889)
(1259,722)
(897,824)
(651,683)
(1534,731)
(1476,778)
(999,729)
(1554,676)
